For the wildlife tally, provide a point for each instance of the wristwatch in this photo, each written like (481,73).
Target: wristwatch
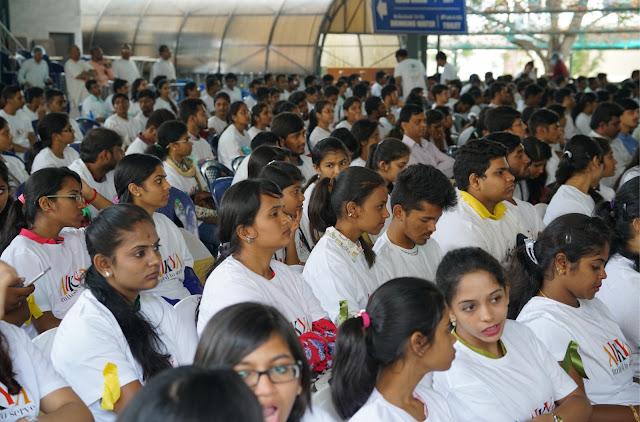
(556,417)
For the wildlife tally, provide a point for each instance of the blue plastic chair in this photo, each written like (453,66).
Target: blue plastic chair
(218,188)
(192,282)
(213,141)
(213,169)
(76,146)
(235,163)
(86,124)
(34,124)
(190,209)
(19,190)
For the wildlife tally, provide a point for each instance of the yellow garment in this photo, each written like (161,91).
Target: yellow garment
(111,392)
(33,308)
(201,267)
(480,351)
(482,211)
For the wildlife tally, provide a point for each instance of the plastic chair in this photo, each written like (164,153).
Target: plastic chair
(213,169)
(192,282)
(213,141)
(218,188)
(186,310)
(235,163)
(189,209)
(452,151)
(76,146)
(34,124)
(44,342)
(19,190)
(86,124)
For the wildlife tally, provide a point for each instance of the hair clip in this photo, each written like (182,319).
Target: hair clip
(366,321)
(567,238)
(568,154)
(21,198)
(529,243)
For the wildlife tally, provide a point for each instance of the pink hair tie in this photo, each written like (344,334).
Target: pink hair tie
(366,321)
(21,198)
(116,200)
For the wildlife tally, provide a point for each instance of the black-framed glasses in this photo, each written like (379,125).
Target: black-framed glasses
(69,129)
(78,198)
(278,374)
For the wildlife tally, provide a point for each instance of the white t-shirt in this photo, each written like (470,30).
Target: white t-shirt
(46,158)
(337,270)
(30,115)
(76,90)
(175,257)
(462,226)
(630,174)
(217,124)
(165,68)
(384,127)
(208,101)
(317,134)
(163,104)
(551,167)
(201,150)
(128,129)
(91,337)
(606,192)
(17,173)
(32,371)
(605,352)
(235,94)
(231,282)
(243,171)
(142,119)
(479,388)
(125,69)
(138,146)
(393,261)
(413,73)
(94,108)
(583,123)
(620,292)
(20,128)
(230,145)
(253,131)
(188,185)
(105,188)
(344,124)
(377,409)
(59,288)
(449,72)
(376,90)
(568,200)
(529,215)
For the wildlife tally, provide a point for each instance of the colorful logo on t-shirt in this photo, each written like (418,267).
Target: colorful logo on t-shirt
(169,267)
(13,407)
(302,325)
(618,354)
(547,407)
(70,284)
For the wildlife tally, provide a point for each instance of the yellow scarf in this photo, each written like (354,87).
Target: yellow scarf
(482,211)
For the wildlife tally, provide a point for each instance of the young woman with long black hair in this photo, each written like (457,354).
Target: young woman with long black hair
(553,286)
(117,335)
(579,170)
(258,342)
(621,291)
(494,355)
(235,140)
(339,268)
(320,121)
(52,149)
(384,352)
(253,226)
(140,179)
(41,232)
(260,119)
(163,89)
(30,386)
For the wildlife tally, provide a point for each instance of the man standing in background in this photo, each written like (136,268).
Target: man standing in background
(409,74)
(124,67)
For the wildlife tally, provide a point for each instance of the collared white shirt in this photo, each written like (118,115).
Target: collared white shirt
(427,153)
(165,68)
(34,73)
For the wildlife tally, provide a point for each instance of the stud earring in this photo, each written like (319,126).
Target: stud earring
(106,273)
(249,239)
(453,323)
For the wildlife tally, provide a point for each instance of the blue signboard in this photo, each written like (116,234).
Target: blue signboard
(444,17)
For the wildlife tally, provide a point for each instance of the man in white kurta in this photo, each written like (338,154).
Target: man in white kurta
(164,67)
(124,67)
(76,73)
(481,219)
(34,71)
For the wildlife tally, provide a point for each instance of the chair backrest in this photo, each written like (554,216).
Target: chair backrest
(86,124)
(186,310)
(34,124)
(44,342)
(76,146)
(187,204)
(19,190)
(218,188)
(213,141)
(213,169)
(235,163)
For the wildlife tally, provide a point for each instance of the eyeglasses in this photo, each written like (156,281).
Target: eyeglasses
(69,129)
(277,375)
(78,197)
(184,141)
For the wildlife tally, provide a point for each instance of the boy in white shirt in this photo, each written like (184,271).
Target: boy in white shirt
(481,219)
(545,125)
(127,127)
(519,164)
(93,106)
(192,112)
(20,126)
(420,194)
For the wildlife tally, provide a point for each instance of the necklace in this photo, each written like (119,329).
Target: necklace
(540,291)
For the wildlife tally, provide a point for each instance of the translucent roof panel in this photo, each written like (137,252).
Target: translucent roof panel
(240,36)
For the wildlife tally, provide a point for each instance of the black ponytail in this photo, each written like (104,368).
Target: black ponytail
(239,207)
(619,215)
(579,151)
(44,182)
(388,150)
(396,310)
(574,235)
(329,197)
(104,235)
(52,123)
(317,109)
(168,132)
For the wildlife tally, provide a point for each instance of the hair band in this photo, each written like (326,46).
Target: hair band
(567,238)
(21,198)
(366,321)
(529,243)
(568,154)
